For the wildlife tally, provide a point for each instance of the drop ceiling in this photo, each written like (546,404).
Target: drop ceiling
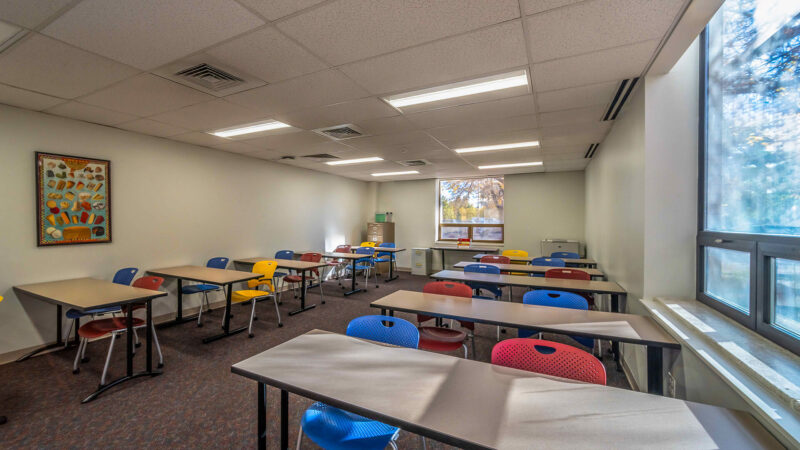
(314,64)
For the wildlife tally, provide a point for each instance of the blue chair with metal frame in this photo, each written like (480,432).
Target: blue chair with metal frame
(214,263)
(389,257)
(123,276)
(278,276)
(568,255)
(496,290)
(556,299)
(366,265)
(543,261)
(333,428)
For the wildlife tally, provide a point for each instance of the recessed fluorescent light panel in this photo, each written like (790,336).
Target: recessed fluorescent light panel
(488,148)
(389,174)
(249,128)
(461,89)
(503,166)
(354,161)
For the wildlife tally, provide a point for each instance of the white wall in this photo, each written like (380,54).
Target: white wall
(173,204)
(536,206)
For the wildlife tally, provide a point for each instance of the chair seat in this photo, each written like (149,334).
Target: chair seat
(293,279)
(383,259)
(195,288)
(279,274)
(102,327)
(441,339)
(335,429)
(335,263)
(77,314)
(362,267)
(245,295)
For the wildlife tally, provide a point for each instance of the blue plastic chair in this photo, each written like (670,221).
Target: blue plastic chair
(123,276)
(333,428)
(365,264)
(556,299)
(278,276)
(386,256)
(569,255)
(214,263)
(484,268)
(554,262)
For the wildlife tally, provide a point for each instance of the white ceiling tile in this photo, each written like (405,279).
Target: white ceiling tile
(338,113)
(591,95)
(605,65)
(482,52)
(565,155)
(386,125)
(268,55)
(597,25)
(481,128)
(474,113)
(537,6)
(30,13)
(503,157)
(574,134)
(10,95)
(317,89)
(570,116)
(405,140)
(209,116)
(564,166)
(45,65)
(299,140)
(149,33)
(483,97)
(198,138)
(237,147)
(89,113)
(478,139)
(153,128)
(146,95)
(368,28)
(275,9)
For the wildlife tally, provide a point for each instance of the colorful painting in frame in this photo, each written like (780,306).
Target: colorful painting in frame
(73,196)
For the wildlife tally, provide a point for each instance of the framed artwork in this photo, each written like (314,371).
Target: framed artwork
(73,200)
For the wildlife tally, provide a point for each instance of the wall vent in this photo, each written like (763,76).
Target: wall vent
(322,157)
(414,162)
(590,151)
(624,90)
(340,132)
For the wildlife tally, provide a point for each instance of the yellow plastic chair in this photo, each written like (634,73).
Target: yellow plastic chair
(515,254)
(368,244)
(267,269)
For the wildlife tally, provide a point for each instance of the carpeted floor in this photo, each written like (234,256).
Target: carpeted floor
(196,402)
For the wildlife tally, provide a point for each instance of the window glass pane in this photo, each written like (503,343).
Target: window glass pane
(727,277)
(487,234)
(753,118)
(786,294)
(455,232)
(473,200)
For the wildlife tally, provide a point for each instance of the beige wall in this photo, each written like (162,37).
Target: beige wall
(173,203)
(537,206)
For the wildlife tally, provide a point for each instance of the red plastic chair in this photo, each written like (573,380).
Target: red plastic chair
(495,259)
(338,264)
(293,279)
(446,339)
(549,358)
(572,274)
(115,326)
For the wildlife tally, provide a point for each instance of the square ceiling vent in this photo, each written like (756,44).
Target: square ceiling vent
(204,73)
(340,132)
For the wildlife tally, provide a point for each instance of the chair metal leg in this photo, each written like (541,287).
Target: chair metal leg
(78,355)
(252,314)
(465,351)
(299,439)
(474,355)
(277,311)
(200,314)
(321,296)
(83,352)
(158,346)
(66,336)
(498,334)
(424,444)
(393,444)
(108,359)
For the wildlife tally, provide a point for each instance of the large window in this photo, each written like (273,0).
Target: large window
(471,208)
(749,237)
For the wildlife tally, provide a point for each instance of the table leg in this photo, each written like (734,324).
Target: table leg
(59,340)
(391,269)
(129,343)
(443,267)
(353,289)
(303,289)
(614,303)
(655,370)
(284,419)
(227,324)
(262,416)
(179,318)
(149,337)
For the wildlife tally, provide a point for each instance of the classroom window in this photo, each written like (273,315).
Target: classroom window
(471,208)
(749,236)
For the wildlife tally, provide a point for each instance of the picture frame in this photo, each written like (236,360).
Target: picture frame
(73,200)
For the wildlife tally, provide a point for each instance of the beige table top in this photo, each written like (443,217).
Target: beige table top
(599,287)
(473,404)
(204,274)
(87,293)
(527,259)
(284,263)
(593,324)
(344,255)
(526,268)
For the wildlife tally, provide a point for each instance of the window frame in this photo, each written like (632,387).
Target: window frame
(762,247)
(469,226)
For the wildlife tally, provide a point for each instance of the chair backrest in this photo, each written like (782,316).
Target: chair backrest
(516,253)
(219,262)
(398,332)
(266,268)
(571,255)
(549,358)
(284,254)
(482,268)
(448,288)
(342,249)
(555,262)
(570,274)
(557,299)
(151,282)
(125,276)
(497,259)
(368,244)
(386,245)
(311,257)
(365,250)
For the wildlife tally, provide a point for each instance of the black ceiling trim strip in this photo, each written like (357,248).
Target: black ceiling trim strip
(594,150)
(589,151)
(616,97)
(625,98)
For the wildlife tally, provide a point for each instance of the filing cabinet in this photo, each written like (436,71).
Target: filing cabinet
(380,231)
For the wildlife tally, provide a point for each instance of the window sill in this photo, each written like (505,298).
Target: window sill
(767,382)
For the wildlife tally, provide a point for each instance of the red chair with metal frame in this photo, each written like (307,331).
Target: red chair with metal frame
(292,279)
(442,339)
(338,264)
(115,326)
(572,274)
(498,259)
(549,358)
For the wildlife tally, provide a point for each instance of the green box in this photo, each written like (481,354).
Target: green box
(380,218)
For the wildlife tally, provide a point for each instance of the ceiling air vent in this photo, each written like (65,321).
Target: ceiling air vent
(620,98)
(206,74)
(321,157)
(590,151)
(414,162)
(210,77)
(340,132)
